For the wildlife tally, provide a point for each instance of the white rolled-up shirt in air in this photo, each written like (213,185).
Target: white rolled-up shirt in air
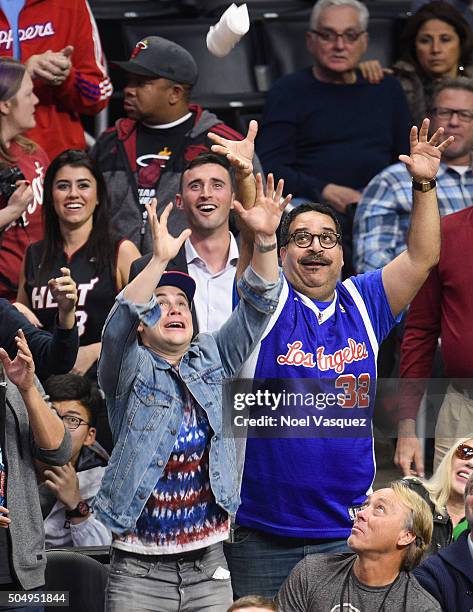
(214,292)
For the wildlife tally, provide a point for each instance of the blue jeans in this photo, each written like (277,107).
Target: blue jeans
(260,562)
(139,583)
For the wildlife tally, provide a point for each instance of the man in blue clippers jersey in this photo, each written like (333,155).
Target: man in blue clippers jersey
(300,491)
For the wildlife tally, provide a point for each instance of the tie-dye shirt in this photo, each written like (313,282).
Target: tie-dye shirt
(181,513)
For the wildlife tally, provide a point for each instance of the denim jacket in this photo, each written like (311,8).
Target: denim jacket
(145,399)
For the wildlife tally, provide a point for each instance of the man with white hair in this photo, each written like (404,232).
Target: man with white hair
(325,129)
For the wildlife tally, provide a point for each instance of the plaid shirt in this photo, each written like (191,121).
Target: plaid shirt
(383,213)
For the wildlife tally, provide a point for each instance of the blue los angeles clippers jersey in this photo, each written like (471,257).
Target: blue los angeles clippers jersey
(304,486)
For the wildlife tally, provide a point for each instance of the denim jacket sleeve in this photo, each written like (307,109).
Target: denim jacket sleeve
(119,357)
(259,299)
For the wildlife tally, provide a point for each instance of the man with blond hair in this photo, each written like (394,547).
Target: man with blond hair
(390,533)
(254,603)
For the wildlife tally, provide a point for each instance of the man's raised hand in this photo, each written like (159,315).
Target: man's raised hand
(165,246)
(266,214)
(239,153)
(424,159)
(21,369)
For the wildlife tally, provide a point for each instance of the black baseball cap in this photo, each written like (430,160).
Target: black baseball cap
(158,57)
(181,280)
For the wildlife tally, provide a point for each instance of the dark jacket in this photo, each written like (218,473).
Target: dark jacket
(26,528)
(442,534)
(448,576)
(52,353)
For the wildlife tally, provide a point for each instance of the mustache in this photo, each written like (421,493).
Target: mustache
(315,258)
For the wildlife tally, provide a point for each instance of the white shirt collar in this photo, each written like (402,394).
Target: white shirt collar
(192,255)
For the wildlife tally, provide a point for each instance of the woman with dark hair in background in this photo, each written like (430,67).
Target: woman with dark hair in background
(22,168)
(77,235)
(437,42)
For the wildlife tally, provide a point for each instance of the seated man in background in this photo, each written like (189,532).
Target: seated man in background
(390,533)
(67,492)
(143,156)
(383,213)
(325,129)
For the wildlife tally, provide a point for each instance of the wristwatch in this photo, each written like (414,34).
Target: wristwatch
(82,509)
(423,185)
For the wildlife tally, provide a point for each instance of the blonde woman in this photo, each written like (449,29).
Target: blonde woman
(444,492)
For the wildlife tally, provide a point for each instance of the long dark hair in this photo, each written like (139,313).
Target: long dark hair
(101,243)
(11,77)
(443,12)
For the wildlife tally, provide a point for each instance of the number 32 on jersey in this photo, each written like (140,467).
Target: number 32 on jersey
(356,390)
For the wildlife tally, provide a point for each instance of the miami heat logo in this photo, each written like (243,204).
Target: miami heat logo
(143,44)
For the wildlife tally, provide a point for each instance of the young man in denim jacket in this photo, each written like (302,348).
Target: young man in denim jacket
(172,483)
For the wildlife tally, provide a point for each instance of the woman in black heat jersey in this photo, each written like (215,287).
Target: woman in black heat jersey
(78,235)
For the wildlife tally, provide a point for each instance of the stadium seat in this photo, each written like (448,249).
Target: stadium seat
(84,578)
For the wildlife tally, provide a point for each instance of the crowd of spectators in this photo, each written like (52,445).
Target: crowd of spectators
(151,278)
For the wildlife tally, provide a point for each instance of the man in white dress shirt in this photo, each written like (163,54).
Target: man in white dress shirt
(210,254)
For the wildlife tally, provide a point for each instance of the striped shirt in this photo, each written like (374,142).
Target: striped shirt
(383,213)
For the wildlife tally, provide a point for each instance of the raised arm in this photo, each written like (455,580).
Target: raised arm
(260,286)
(48,430)
(240,154)
(165,247)
(404,276)
(261,222)
(119,356)
(421,333)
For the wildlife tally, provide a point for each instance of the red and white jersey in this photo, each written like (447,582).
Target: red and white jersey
(52,25)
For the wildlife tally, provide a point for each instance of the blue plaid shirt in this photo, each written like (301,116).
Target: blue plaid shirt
(383,213)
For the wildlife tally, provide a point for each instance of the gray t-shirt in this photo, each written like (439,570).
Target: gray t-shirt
(317,582)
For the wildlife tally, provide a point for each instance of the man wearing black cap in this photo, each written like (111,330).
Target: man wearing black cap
(172,482)
(143,155)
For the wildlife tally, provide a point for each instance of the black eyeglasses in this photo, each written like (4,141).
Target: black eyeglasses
(446,114)
(349,37)
(464,452)
(303,239)
(71,422)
